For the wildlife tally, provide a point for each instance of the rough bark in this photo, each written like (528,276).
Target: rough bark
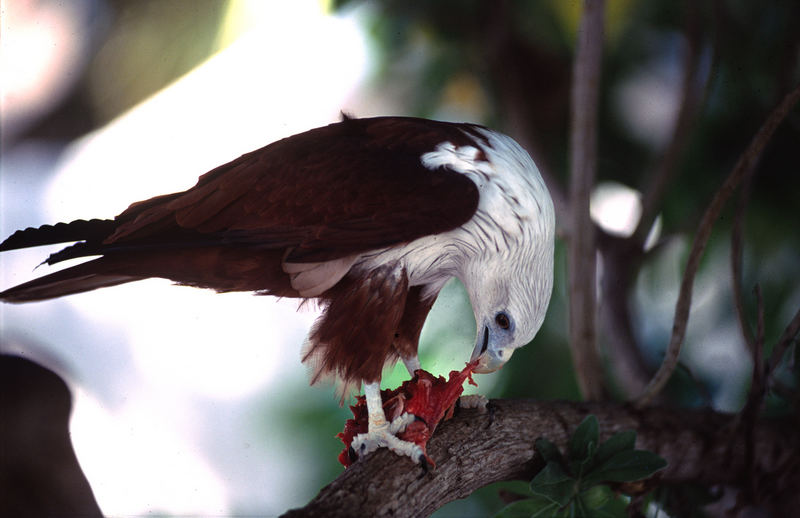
(473,450)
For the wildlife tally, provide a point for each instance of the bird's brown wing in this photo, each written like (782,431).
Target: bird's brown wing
(325,194)
(330,192)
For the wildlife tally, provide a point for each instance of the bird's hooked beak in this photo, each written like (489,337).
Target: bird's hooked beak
(489,354)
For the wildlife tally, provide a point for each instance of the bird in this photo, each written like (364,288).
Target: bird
(369,217)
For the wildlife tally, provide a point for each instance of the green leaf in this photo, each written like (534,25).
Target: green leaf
(554,484)
(597,496)
(617,443)
(548,450)
(529,508)
(553,473)
(585,435)
(625,466)
(601,513)
(579,467)
(520,488)
(601,502)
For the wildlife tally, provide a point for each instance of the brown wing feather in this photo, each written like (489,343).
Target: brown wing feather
(333,191)
(325,194)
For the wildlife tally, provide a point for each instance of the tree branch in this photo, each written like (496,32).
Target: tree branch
(582,249)
(788,335)
(746,162)
(736,264)
(692,92)
(473,450)
(519,129)
(622,257)
(517,100)
(621,260)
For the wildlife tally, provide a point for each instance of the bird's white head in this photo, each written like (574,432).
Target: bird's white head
(509,275)
(510,301)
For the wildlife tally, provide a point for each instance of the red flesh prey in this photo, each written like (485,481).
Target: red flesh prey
(431,399)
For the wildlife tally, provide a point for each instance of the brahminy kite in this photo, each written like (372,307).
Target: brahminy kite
(370,216)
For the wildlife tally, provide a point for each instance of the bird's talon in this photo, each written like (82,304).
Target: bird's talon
(399,424)
(491,409)
(423,462)
(382,437)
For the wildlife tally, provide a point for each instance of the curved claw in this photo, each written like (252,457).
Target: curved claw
(351,454)
(399,424)
(423,462)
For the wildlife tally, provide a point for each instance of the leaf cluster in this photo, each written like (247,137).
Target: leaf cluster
(576,484)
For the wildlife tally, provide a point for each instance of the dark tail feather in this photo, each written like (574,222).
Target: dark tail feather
(95,230)
(83,277)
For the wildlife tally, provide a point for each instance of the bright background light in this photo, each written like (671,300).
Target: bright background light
(168,378)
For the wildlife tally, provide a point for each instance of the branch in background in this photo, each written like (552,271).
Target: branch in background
(758,387)
(693,90)
(758,363)
(744,165)
(748,417)
(789,334)
(520,130)
(582,249)
(473,450)
(517,101)
(621,261)
(622,258)
(736,264)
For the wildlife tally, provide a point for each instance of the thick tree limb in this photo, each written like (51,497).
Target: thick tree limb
(473,450)
(582,249)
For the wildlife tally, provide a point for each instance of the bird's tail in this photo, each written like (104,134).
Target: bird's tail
(91,275)
(76,279)
(94,230)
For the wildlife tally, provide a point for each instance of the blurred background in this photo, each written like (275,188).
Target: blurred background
(188,402)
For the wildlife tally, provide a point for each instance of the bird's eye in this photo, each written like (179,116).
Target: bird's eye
(502,321)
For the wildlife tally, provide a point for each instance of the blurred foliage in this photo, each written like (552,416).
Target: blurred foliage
(151,43)
(138,48)
(316,423)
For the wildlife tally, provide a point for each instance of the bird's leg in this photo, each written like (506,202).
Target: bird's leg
(412,364)
(380,432)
